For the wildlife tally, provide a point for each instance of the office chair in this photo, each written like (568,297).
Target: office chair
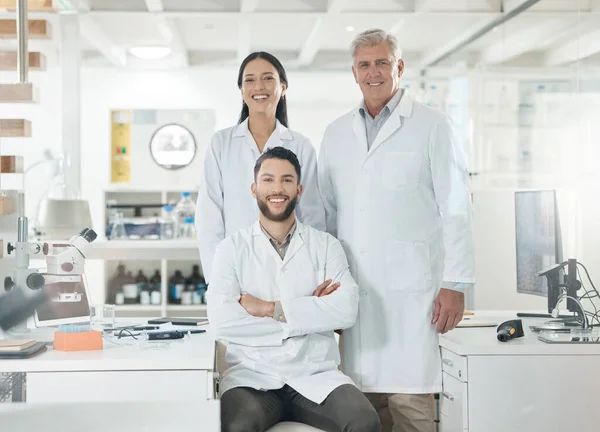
(221,366)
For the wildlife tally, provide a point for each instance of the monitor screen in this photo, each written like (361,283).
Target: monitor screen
(538,239)
(67,303)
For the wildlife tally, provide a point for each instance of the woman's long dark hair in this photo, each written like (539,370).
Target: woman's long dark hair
(281,112)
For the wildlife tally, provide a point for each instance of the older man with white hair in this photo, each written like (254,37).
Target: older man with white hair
(394,180)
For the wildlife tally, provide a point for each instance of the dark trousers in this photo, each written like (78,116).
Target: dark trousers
(346,409)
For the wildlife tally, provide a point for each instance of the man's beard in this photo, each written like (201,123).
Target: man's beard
(263,205)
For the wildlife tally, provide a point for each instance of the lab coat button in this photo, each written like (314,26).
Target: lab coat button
(362,251)
(363,293)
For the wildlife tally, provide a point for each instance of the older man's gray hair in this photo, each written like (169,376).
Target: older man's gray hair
(374,37)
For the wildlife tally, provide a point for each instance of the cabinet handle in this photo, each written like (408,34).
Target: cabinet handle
(447,362)
(448,396)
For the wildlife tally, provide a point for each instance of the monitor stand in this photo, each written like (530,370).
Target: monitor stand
(540,315)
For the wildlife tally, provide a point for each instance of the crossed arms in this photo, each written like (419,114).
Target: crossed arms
(231,322)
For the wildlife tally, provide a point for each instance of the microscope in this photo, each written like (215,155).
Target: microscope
(28,287)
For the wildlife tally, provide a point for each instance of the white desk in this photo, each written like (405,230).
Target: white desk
(103,417)
(180,373)
(523,385)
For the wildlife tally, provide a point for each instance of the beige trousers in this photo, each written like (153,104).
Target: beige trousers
(404,412)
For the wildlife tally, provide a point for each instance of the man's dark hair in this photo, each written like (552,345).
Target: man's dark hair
(278,153)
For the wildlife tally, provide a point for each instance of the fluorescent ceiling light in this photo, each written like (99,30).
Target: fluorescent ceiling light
(150,52)
(350,29)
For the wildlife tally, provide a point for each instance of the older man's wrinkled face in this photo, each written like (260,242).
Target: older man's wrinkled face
(377,73)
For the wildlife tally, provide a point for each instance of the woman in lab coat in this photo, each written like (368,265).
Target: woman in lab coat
(225,202)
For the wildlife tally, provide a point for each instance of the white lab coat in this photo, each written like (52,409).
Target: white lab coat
(225,203)
(402,213)
(264,353)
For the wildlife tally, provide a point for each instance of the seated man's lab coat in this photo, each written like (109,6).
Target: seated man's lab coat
(264,353)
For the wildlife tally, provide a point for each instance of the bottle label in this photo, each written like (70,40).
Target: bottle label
(120,298)
(186,298)
(145,298)
(155,298)
(176,291)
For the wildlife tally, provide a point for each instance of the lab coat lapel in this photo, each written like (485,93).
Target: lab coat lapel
(395,121)
(261,239)
(279,135)
(360,132)
(389,127)
(296,243)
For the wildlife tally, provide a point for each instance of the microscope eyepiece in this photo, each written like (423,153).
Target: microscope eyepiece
(88,234)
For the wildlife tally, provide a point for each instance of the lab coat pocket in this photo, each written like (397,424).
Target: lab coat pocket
(408,267)
(401,171)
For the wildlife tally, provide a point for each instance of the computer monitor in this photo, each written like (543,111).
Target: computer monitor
(538,242)
(68,303)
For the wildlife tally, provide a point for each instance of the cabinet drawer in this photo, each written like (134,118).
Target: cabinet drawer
(454,405)
(117,386)
(446,425)
(455,365)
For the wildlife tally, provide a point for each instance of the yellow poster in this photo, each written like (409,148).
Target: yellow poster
(120,147)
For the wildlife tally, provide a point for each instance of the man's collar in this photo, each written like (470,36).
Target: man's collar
(390,106)
(287,237)
(257,229)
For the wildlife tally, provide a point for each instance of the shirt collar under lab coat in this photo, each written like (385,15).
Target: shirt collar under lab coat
(296,242)
(390,106)
(257,230)
(404,108)
(280,131)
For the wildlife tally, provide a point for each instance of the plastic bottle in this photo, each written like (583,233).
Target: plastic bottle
(188,231)
(168,223)
(155,284)
(176,287)
(185,208)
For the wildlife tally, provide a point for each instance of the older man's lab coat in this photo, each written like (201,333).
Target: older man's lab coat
(401,210)
(264,353)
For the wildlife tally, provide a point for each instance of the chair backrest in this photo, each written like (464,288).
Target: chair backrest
(220,352)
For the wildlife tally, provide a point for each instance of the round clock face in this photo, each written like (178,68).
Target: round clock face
(173,146)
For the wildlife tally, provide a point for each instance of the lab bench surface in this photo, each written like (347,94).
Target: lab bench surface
(129,372)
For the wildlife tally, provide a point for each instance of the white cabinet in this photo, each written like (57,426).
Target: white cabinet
(454,400)
(522,385)
(117,386)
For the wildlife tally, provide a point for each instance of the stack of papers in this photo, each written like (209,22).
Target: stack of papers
(15,345)
(476,323)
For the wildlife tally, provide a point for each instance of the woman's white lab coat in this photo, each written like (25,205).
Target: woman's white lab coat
(402,213)
(264,353)
(225,203)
